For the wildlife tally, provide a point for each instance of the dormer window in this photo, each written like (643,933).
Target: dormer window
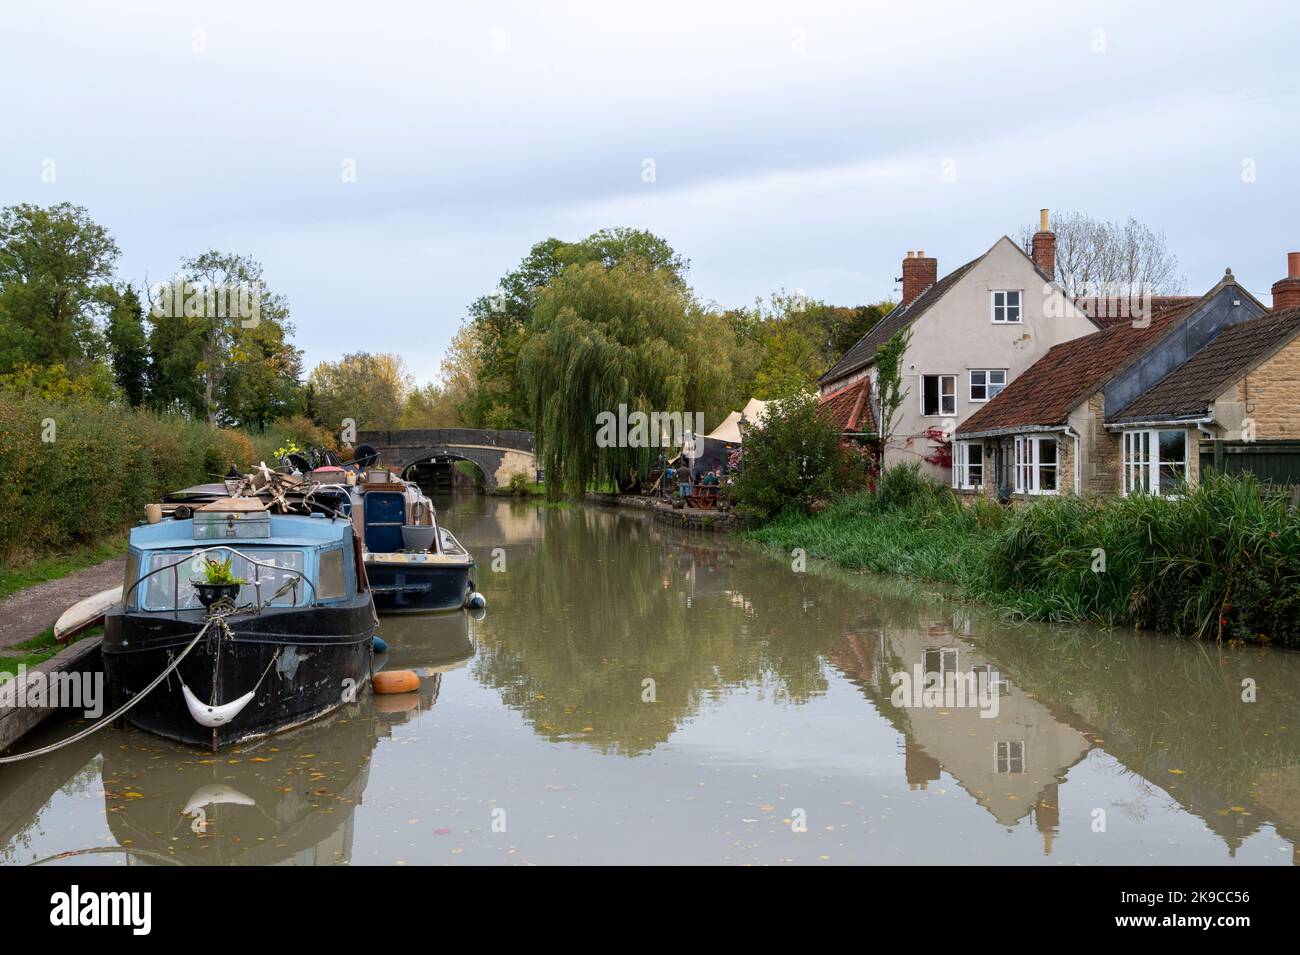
(1006,307)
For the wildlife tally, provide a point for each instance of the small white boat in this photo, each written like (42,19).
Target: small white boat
(85,614)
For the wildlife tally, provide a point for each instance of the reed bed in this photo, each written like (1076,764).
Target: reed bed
(1222,561)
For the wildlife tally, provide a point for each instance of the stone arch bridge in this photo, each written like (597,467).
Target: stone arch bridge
(498,454)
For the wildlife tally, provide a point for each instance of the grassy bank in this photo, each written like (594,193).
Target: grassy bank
(33,652)
(1221,562)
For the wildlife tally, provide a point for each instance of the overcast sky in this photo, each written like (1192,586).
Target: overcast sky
(797,145)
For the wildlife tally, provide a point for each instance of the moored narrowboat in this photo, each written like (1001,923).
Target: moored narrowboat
(290,640)
(412,563)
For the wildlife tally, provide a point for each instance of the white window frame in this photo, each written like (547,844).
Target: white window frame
(986,372)
(951,395)
(1140,460)
(962,467)
(1005,306)
(1002,757)
(949,658)
(1028,464)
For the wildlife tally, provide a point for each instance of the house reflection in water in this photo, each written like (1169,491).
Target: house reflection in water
(1011,763)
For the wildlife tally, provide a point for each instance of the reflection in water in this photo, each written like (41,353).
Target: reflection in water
(290,799)
(638,694)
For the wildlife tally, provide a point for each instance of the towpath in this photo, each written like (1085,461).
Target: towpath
(27,613)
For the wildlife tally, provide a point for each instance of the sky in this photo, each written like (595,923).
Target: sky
(388,162)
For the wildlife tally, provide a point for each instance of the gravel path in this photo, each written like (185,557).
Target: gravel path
(29,612)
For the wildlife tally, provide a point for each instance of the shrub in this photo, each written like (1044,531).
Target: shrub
(794,459)
(295,431)
(104,464)
(519,483)
(904,486)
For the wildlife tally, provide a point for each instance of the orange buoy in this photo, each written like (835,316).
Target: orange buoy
(395,681)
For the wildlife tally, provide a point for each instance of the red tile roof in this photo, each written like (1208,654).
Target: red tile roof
(1068,374)
(863,353)
(849,408)
(1115,311)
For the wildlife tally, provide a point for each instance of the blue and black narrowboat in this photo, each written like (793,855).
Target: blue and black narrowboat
(288,642)
(413,564)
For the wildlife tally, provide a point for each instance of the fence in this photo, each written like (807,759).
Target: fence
(1275,463)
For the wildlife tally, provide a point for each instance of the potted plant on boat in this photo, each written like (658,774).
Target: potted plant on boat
(217,582)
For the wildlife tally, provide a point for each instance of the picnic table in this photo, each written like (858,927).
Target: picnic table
(704,497)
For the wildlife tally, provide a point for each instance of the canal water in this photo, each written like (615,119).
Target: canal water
(635,694)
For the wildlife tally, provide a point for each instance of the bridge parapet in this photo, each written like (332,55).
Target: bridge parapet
(498,454)
(431,437)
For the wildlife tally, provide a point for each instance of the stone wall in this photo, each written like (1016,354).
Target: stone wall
(1271,394)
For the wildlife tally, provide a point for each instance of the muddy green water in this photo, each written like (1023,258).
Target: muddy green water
(634,694)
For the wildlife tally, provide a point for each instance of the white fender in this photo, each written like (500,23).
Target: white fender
(211,716)
(214,794)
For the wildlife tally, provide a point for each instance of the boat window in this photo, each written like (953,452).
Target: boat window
(160,589)
(331,574)
(449,543)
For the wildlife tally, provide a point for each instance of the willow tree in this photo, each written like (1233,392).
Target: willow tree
(603,337)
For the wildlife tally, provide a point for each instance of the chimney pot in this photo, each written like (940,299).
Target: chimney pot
(1286,292)
(1044,221)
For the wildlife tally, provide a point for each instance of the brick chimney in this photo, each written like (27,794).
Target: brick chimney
(919,273)
(1044,246)
(1286,292)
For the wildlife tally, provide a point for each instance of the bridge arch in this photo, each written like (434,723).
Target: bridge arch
(498,454)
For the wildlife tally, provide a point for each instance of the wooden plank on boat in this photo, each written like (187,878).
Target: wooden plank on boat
(85,614)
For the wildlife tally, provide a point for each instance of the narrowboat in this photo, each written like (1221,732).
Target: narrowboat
(412,563)
(289,642)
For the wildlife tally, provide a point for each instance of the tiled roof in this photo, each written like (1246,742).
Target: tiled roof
(1071,371)
(1190,388)
(1113,311)
(864,352)
(849,408)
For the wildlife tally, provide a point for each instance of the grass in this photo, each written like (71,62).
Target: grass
(40,648)
(1222,561)
(19,573)
(534,490)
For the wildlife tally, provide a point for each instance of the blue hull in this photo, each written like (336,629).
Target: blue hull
(411,588)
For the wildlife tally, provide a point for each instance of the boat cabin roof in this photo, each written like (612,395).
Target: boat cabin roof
(287,530)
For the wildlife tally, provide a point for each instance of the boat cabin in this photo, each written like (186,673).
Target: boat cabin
(393,516)
(286,560)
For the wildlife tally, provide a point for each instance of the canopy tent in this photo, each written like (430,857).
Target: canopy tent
(714,449)
(729,429)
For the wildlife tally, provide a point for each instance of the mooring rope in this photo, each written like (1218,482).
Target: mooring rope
(220,621)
